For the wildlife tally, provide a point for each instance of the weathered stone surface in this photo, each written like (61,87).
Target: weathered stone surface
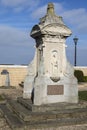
(20,118)
(51,107)
(50,66)
(29,79)
(78,121)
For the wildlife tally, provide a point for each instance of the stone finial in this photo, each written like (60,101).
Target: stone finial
(50,9)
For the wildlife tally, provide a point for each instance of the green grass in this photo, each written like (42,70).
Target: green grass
(83,95)
(1,98)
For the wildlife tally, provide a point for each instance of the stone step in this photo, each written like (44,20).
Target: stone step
(13,121)
(27,103)
(38,120)
(51,107)
(50,125)
(29,116)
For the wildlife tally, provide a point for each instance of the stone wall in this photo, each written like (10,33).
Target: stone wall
(17,74)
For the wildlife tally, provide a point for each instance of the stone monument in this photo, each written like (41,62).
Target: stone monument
(50,77)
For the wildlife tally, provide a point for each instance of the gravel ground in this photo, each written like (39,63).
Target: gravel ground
(11,93)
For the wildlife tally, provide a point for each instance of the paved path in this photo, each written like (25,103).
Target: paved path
(82,86)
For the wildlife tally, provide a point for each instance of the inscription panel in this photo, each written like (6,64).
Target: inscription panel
(55,90)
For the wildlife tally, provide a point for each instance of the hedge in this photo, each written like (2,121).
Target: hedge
(79,75)
(85,78)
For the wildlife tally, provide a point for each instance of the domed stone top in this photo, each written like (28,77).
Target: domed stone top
(50,24)
(50,16)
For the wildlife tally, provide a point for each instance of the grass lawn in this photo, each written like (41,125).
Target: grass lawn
(83,95)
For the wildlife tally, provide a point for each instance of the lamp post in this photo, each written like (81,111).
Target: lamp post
(75,39)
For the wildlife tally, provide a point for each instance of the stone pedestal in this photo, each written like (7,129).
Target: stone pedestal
(53,76)
(48,90)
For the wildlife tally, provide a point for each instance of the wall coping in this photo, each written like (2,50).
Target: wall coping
(25,66)
(80,66)
(14,66)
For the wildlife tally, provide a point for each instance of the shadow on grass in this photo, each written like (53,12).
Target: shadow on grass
(83,95)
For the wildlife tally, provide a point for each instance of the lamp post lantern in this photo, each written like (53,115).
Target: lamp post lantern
(75,39)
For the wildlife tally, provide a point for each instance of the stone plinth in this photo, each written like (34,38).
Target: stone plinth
(57,107)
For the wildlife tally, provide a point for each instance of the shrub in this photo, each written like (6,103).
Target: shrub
(85,78)
(79,75)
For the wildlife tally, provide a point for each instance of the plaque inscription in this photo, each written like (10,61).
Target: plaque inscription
(55,90)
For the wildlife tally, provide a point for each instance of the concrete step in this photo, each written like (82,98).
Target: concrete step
(11,118)
(27,103)
(29,116)
(20,118)
(51,107)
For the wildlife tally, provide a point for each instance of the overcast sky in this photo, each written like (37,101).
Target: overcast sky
(17,17)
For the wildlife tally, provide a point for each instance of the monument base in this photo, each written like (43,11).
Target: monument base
(49,107)
(46,91)
(22,114)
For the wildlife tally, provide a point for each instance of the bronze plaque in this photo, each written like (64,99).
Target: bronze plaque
(55,90)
